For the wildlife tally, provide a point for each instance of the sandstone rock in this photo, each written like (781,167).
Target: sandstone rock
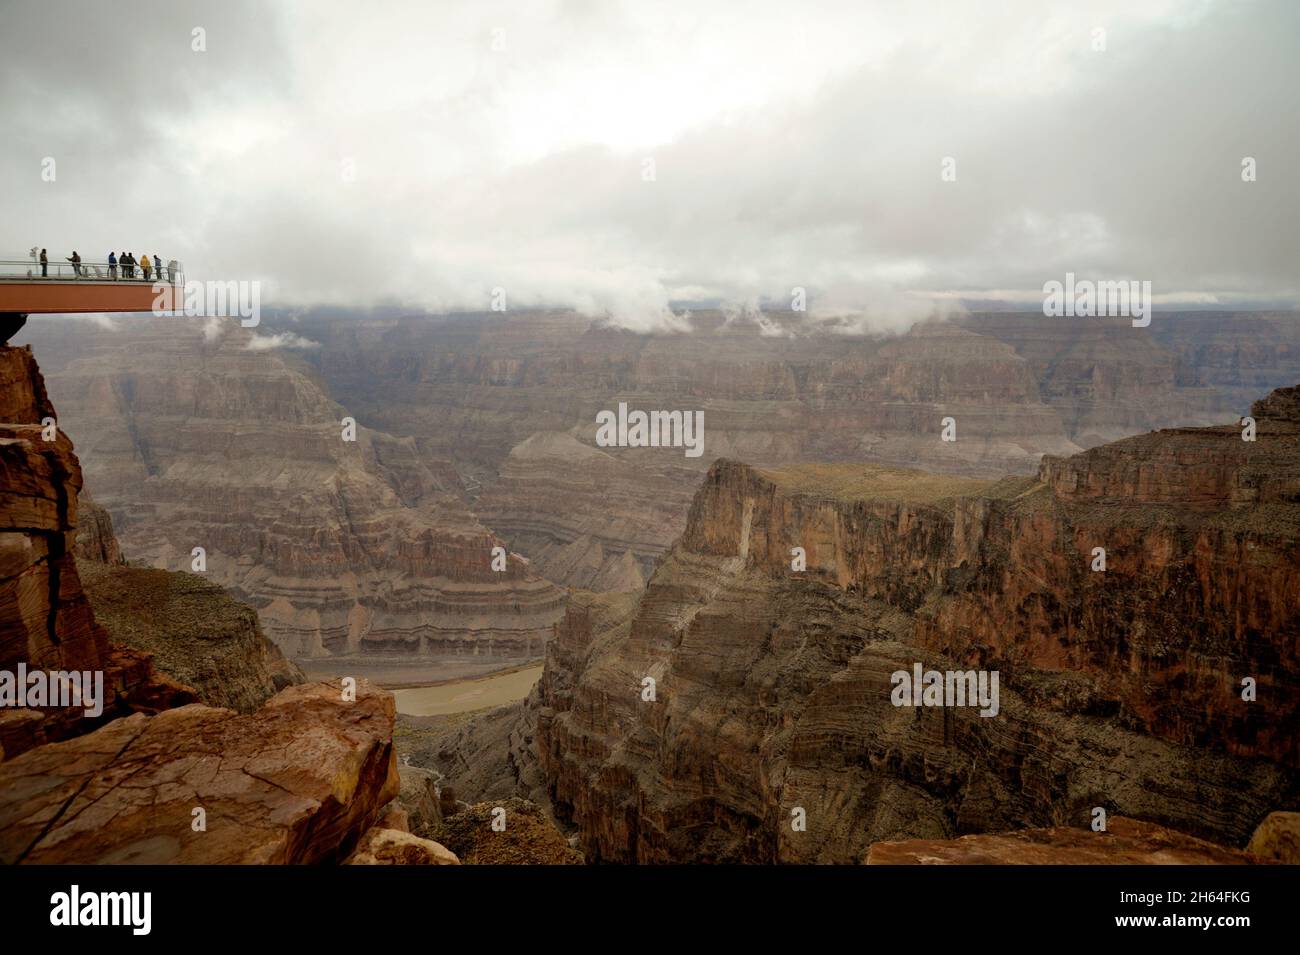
(23,398)
(1125,842)
(299,781)
(389,847)
(1281,405)
(1278,838)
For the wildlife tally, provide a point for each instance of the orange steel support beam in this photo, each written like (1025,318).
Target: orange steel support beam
(34,298)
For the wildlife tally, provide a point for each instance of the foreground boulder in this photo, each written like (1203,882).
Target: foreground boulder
(394,847)
(1278,838)
(298,781)
(1126,842)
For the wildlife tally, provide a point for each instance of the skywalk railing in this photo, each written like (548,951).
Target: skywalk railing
(26,270)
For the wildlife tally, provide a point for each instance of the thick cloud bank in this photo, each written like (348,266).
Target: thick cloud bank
(616,157)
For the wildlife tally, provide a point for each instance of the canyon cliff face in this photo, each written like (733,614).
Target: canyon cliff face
(358,549)
(46,621)
(96,540)
(1242,355)
(1120,689)
(495,415)
(1108,380)
(512,399)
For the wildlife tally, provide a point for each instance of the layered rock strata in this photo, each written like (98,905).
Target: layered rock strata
(1108,380)
(1242,355)
(346,541)
(513,399)
(194,631)
(510,400)
(1163,687)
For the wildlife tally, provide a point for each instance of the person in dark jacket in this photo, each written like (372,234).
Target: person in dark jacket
(112,266)
(45,265)
(158,267)
(76,263)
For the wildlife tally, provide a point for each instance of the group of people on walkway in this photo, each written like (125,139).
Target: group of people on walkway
(143,269)
(129,266)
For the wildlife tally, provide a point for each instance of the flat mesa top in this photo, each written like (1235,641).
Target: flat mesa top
(854,481)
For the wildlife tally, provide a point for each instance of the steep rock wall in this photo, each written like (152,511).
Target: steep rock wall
(1119,689)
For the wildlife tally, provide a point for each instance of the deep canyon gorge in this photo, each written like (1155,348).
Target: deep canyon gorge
(475,524)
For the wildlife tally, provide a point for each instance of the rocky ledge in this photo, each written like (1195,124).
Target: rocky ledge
(300,780)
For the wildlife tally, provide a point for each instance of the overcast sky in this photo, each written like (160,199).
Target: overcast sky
(793,144)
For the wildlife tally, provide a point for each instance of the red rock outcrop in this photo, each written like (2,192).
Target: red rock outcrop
(298,781)
(46,622)
(1201,590)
